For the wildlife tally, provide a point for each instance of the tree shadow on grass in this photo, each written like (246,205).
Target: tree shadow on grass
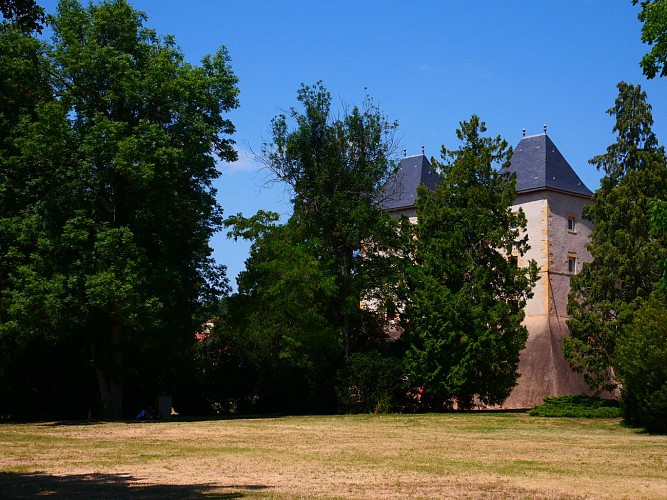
(14,485)
(195,418)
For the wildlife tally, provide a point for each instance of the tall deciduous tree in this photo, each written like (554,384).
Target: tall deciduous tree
(106,190)
(305,281)
(464,318)
(654,33)
(335,167)
(625,269)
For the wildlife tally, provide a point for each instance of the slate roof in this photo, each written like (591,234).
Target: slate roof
(401,189)
(539,165)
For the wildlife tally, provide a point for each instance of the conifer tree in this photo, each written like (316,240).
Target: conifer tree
(466,309)
(625,269)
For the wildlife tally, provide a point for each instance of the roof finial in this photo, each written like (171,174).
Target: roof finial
(545,129)
(422,149)
(523,132)
(405,152)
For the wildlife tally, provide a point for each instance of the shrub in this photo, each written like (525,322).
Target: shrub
(577,406)
(368,383)
(641,364)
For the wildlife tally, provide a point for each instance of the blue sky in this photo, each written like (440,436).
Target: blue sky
(428,64)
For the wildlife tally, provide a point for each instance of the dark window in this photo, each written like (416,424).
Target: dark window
(571,226)
(572,265)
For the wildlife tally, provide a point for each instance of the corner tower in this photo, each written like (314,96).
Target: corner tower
(399,196)
(552,196)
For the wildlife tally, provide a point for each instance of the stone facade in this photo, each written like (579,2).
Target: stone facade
(558,235)
(559,253)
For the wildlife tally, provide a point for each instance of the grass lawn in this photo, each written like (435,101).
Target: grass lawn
(470,455)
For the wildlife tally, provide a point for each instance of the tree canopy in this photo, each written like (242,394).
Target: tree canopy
(467,295)
(109,150)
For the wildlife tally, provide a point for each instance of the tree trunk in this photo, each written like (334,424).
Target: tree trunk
(346,333)
(346,271)
(109,377)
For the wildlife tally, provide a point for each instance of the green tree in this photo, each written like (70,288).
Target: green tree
(282,311)
(654,33)
(306,280)
(466,308)
(625,269)
(226,370)
(640,359)
(106,192)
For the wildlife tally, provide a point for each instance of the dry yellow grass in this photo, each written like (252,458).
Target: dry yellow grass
(492,455)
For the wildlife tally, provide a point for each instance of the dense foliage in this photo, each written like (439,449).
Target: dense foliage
(658,226)
(617,302)
(108,153)
(467,296)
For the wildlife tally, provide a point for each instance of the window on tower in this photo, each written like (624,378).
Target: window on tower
(572,265)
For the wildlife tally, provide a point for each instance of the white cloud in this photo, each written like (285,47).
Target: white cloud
(428,69)
(245,163)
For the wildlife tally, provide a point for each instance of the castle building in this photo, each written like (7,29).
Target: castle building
(552,197)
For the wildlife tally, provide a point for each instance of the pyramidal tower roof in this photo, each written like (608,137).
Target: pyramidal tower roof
(539,165)
(401,189)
